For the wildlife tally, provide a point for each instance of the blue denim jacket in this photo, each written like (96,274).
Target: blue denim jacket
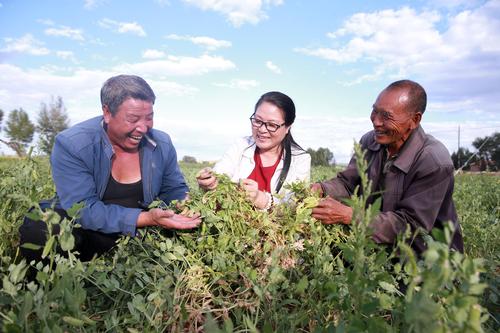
(81,166)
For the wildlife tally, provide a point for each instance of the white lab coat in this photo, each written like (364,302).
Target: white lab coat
(238,162)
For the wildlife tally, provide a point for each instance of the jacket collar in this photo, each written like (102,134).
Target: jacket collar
(250,150)
(408,151)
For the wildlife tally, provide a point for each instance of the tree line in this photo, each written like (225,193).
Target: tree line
(20,130)
(320,157)
(53,118)
(486,156)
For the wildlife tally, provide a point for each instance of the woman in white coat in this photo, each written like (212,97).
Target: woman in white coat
(268,159)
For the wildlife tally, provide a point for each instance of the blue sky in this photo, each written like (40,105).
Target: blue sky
(210,60)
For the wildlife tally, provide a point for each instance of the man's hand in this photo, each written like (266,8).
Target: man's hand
(167,219)
(258,198)
(316,187)
(206,179)
(331,211)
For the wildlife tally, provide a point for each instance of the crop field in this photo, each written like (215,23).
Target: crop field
(244,270)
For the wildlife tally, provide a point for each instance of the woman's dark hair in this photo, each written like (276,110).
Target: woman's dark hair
(284,103)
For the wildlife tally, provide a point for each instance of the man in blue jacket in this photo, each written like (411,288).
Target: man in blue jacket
(116,164)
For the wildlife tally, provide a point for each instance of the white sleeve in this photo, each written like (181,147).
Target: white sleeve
(302,168)
(230,161)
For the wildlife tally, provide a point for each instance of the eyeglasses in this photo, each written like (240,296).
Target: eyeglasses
(271,127)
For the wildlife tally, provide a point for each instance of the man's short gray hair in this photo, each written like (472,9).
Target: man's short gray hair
(416,94)
(119,88)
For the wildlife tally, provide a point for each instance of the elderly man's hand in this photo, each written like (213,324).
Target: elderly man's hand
(331,211)
(168,219)
(206,179)
(316,187)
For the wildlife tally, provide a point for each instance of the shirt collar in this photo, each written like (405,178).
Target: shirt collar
(408,151)
(411,147)
(250,150)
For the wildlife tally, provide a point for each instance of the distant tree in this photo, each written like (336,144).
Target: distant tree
(322,156)
(1,118)
(189,159)
(52,119)
(489,150)
(460,157)
(19,129)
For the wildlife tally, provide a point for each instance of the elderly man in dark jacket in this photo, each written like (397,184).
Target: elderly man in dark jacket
(409,169)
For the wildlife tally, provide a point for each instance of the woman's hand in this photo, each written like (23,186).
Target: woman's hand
(258,198)
(206,179)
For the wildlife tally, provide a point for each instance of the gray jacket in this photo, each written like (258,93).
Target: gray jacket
(417,188)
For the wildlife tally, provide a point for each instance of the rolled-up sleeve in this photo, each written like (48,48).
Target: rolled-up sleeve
(343,185)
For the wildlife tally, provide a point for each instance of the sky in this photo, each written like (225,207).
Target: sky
(209,61)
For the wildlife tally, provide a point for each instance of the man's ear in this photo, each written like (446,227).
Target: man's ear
(417,117)
(106,113)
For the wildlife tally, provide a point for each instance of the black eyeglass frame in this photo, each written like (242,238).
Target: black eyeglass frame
(265,123)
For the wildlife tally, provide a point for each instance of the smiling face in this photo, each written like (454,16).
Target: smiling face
(133,119)
(391,119)
(264,139)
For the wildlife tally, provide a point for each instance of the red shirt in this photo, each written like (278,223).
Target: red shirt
(261,174)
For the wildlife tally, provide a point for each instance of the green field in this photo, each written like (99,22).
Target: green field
(249,271)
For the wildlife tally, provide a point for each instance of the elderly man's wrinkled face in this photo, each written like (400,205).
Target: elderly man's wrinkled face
(133,119)
(391,120)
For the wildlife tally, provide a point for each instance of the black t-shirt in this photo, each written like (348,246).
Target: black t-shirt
(126,195)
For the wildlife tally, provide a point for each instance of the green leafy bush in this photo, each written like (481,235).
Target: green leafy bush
(243,270)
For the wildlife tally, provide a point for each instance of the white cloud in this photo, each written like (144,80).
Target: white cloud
(237,12)
(123,27)
(339,133)
(456,56)
(153,54)
(168,88)
(385,36)
(335,133)
(181,66)
(91,4)
(46,22)
(239,84)
(272,67)
(207,42)
(66,55)
(78,88)
(26,44)
(80,91)
(63,31)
